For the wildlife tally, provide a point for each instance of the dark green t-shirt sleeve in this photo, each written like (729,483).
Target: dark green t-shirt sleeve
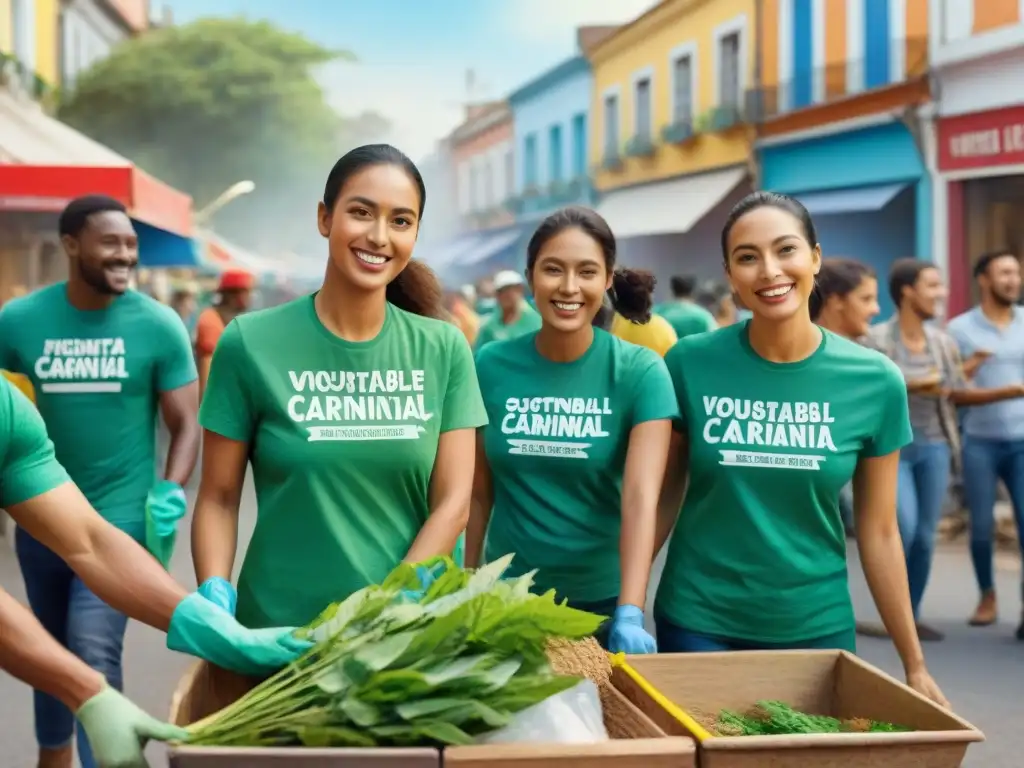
(654,396)
(674,364)
(176,365)
(893,414)
(227,406)
(8,359)
(463,406)
(30,468)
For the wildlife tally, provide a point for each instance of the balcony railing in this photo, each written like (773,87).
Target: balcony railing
(839,81)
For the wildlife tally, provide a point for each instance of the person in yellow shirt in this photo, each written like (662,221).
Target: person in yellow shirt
(656,334)
(21,383)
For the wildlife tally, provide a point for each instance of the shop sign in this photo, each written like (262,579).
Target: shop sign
(982,140)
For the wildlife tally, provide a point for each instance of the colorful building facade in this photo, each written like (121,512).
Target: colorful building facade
(550,116)
(842,82)
(672,136)
(977,55)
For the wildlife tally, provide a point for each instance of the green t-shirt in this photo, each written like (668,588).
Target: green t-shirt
(342,439)
(98,376)
(687,318)
(759,551)
(495,329)
(556,443)
(28,467)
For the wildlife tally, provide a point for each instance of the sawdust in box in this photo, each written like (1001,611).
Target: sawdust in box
(672,688)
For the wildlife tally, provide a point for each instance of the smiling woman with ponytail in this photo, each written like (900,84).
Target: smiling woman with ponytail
(356,408)
(570,465)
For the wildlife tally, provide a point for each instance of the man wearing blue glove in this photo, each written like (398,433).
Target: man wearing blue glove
(103,360)
(39,496)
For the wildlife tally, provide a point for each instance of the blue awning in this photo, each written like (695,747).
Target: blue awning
(490,247)
(161,249)
(857,200)
(439,255)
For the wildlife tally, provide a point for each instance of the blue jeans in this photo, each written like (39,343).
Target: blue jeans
(986,462)
(676,639)
(82,622)
(923,483)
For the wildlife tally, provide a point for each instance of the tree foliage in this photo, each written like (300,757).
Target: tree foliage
(207,104)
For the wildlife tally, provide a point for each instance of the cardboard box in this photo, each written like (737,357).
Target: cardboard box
(835,683)
(637,741)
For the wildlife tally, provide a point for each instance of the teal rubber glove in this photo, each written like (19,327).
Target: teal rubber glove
(220,592)
(165,506)
(118,730)
(201,628)
(628,634)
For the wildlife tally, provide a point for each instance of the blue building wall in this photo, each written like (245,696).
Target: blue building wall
(556,104)
(874,156)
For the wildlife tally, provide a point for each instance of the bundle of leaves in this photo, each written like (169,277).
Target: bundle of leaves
(392,670)
(775,718)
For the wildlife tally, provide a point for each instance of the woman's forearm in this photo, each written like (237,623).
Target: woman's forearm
(32,655)
(636,544)
(440,533)
(985,396)
(881,556)
(476,528)
(214,536)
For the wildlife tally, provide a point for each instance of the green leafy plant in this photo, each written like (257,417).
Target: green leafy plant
(390,670)
(775,718)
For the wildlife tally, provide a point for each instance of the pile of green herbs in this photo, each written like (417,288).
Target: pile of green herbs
(776,718)
(439,668)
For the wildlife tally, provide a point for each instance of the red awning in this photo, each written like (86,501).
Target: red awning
(50,188)
(51,163)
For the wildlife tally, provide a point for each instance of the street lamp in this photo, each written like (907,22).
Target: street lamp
(236,190)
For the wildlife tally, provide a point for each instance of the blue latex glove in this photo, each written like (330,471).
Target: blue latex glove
(220,592)
(427,576)
(203,629)
(165,506)
(627,634)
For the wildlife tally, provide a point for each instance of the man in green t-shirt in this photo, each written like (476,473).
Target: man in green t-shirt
(514,315)
(685,315)
(37,493)
(102,360)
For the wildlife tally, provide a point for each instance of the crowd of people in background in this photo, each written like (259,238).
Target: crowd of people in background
(556,413)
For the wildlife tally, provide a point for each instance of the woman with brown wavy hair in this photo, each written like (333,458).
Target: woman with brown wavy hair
(570,465)
(356,407)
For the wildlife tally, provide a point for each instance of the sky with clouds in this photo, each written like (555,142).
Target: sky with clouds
(413,55)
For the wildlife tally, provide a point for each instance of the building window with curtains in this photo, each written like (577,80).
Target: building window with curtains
(682,89)
(611,125)
(643,108)
(579,146)
(729,72)
(555,153)
(530,161)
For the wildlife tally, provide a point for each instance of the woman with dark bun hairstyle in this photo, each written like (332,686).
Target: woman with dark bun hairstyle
(777,415)
(571,463)
(357,408)
(845,298)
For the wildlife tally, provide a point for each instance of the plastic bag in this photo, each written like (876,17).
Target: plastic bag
(570,717)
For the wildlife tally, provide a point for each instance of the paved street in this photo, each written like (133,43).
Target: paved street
(980,670)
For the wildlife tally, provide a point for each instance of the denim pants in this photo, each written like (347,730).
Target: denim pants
(986,462)
(923,483)
(80,621)
(675,639)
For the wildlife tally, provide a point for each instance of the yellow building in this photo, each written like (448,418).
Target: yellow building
(47,41)
(670,142)
(29,32)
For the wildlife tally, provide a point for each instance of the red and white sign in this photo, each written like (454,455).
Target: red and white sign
(982,139)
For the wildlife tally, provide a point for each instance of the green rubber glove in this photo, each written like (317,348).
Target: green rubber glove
(201,628)
(118,730)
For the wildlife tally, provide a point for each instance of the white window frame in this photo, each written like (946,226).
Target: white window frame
(736,25)
(616,91)
(680,51)
(647,73)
